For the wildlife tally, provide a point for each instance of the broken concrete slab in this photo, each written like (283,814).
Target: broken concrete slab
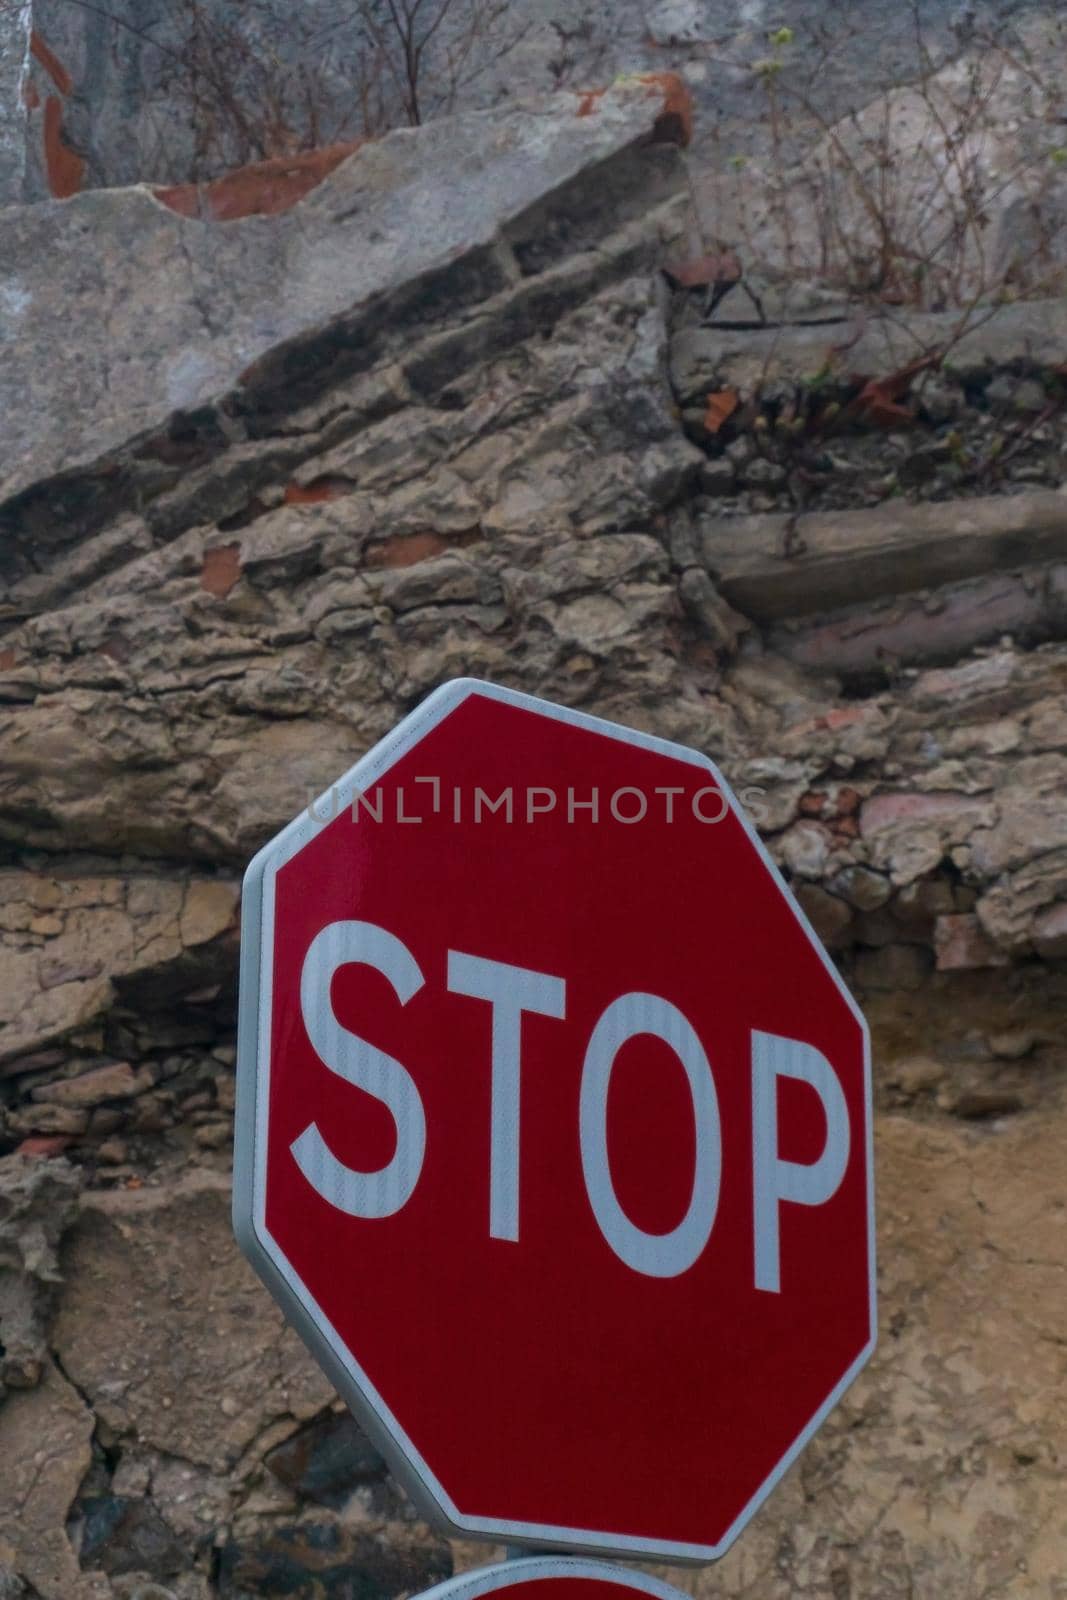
(172,312)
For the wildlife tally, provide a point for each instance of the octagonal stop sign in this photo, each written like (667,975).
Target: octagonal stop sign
(554,1128)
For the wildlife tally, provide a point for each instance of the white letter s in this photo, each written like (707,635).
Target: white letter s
(361,1194)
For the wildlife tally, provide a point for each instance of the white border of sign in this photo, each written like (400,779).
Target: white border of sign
(253,1098)
(489,1580)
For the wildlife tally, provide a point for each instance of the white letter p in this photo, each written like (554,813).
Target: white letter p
(775,1180)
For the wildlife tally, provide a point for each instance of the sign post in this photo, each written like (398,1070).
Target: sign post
(554,1128)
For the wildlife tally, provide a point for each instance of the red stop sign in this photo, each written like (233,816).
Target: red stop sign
(554,1128)
(552,1578)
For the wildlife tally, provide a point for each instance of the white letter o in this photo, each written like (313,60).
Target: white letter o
(657,1255)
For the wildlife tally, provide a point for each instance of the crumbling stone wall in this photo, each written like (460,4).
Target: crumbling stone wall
(238,542)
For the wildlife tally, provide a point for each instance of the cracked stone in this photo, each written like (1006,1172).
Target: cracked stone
(37,1203)
(116,1081)
(805,849)
(976,1103)
(861,887)
(327,1557)
(962,943)
(916,1075)
(895,966)
(828,915)
(1013,1046)
(197,1324)
(47,1433)
(121,1535)
(326,1460)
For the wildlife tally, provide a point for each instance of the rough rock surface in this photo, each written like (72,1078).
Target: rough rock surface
(481,460)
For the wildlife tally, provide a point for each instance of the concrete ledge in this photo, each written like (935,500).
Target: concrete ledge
(774,567)
(1029,334)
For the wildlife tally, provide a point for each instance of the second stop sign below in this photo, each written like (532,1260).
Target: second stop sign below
(554,1128)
